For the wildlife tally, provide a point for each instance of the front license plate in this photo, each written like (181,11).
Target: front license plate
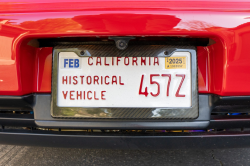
(86,83)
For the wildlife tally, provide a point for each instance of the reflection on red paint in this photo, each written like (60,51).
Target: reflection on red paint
(202,56)
(44,70)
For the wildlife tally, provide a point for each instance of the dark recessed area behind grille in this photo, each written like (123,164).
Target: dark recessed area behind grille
(183,41)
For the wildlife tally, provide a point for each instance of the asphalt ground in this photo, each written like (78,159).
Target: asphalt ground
(25,156)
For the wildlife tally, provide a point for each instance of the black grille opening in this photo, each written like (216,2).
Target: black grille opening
(161,40)
(225,117)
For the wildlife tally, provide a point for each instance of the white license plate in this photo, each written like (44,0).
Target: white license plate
(142,82)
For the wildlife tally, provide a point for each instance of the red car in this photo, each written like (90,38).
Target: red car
(125,74)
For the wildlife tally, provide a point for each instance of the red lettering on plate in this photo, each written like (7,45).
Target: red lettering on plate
(84,95)
(134,61)
(79,95)
(105,80)
(120,80)
(75,80)
(65,80)
(126,63)
(117,60)
(156,61)
(140,88)
(143,61)
(105,63)
(81,79)
(98,61)
(95,96)
(149,61)
(178,90)
(89,80)
(169,80)
(90,64)
(102,95)
(112,61)
(114,80)
(96,79)
(154,82)
(65,94)
(70,80)
(88,95)
(101,80)
(71,95)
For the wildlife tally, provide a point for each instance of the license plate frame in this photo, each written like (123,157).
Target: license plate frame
(126,112)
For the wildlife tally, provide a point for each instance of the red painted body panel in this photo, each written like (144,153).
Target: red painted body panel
(44,69)
(223,67)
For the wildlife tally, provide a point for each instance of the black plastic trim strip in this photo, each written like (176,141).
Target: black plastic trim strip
(125,125)
(17,103)
(229,121)
(23,120)
(231,100)
(97,141)
(231,109)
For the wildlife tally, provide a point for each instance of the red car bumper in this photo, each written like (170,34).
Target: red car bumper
(26,30)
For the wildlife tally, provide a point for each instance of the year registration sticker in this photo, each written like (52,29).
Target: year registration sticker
(175,62)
